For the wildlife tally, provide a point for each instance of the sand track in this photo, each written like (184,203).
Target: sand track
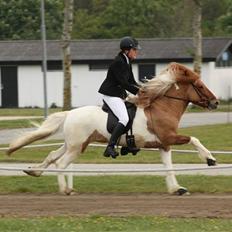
(195,205)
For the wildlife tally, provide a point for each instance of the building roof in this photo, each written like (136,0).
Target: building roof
(106,49)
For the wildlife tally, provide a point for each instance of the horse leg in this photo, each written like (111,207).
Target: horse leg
(204,153)
(51,158)
(63,163)
(172,184)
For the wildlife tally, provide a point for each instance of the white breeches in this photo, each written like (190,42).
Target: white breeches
(118,107)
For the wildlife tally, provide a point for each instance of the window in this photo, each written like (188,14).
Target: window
(98,67)
(225,60)
(146,71)
(54,66)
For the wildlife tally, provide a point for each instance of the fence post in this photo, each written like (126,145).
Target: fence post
(229,99)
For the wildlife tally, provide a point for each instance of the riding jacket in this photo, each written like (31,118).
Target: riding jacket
(119,79)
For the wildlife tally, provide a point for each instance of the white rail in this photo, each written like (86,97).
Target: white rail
(71,170)
(103,145)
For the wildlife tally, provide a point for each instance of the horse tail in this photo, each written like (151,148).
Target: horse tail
(49,127)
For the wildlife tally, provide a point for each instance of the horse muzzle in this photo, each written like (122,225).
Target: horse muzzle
(213,104)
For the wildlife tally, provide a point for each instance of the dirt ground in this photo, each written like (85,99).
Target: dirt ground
(195,205)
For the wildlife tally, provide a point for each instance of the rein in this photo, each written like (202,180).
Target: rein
(176,98)
(201,96)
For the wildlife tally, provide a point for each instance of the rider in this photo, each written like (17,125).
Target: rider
(119,79)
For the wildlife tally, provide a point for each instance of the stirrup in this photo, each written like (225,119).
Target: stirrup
(131,147)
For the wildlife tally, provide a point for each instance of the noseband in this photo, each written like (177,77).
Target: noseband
(203,98)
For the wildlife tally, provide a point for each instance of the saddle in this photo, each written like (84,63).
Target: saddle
(113,120)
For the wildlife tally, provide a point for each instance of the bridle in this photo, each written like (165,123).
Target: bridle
(203,98)
(203,101)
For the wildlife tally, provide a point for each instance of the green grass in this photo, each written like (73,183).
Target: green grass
(26,123)
(26,111)
(94,155)
(112,224)
(116,184)
(214,137)
(223,107)
(198,109)
(217,137)
(21,123)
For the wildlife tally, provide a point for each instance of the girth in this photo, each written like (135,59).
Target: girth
(113,120)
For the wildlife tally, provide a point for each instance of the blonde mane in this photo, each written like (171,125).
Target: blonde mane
(155,87)
(160,84)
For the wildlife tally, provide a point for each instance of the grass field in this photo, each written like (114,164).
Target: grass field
(112,224)
(26,111)
(116,184)
(224,106)
(214,137)
(21,123)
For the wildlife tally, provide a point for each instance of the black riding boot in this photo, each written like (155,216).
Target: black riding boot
(117,132)
(131,147)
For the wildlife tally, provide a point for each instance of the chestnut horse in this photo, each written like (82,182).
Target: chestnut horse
(161,102)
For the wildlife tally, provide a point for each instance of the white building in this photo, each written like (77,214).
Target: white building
(21,75)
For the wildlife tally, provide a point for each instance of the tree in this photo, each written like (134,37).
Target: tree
(67,30)
(89,19)
(197,36)
(224,22)
(117,18)
(20,19)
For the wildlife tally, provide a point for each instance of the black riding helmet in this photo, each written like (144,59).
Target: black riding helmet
(128,42)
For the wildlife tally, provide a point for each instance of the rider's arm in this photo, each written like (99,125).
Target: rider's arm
(122,74)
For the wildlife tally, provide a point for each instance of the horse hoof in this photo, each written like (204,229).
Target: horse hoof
(69,192)
(182,191)
(33,173)
(211,162)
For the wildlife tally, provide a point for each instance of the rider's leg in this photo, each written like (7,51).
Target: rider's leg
(117,132)
(118,107)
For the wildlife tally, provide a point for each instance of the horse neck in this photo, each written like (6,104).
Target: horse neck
(174,107)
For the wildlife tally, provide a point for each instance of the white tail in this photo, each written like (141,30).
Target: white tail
(49,127)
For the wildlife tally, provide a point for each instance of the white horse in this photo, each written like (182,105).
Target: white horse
(160,107)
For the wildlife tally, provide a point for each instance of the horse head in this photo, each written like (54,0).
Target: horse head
(196,91)
(202,96)
(176,82)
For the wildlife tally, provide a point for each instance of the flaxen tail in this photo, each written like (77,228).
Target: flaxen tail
(49,127)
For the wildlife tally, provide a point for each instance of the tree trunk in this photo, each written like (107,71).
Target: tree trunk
(67,62)
(197,36)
